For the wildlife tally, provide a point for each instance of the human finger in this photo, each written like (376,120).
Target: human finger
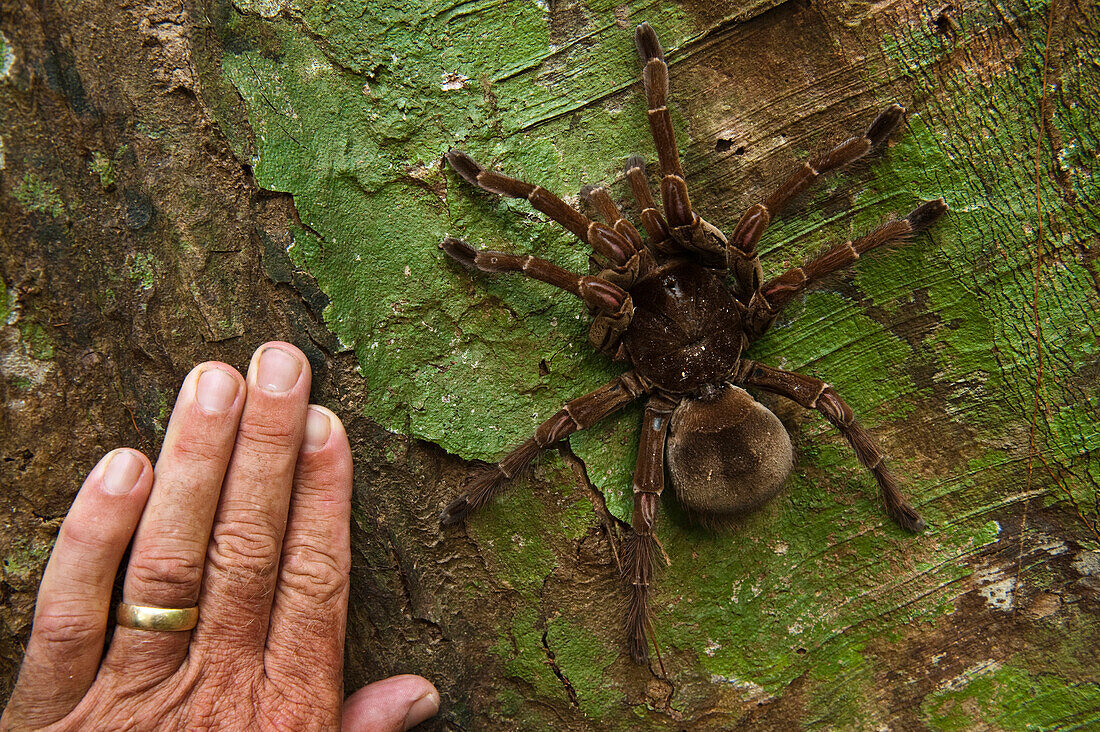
(311,595)
(246,542)
(70,618)
(166,562)
(391,705)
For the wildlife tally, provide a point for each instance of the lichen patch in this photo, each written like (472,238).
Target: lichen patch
(452,80)
(999,595)
(752,691)
(996,588)
(977,670)
(1087,563)
(7,57)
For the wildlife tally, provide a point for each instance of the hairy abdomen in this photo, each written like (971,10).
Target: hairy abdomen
(726,456)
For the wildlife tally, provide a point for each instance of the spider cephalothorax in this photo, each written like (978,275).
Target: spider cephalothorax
(681,308)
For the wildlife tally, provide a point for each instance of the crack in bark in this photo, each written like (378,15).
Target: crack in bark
(551,660)
(609,522)
(297,218)
(416,610)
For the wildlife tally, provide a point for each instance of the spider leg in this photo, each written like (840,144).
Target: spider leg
(640,547)
(578,414)
(674,192)
(813,393)
(597,293)
(609,243)
(741,255)
(775,294)
(687,229)
(612,306)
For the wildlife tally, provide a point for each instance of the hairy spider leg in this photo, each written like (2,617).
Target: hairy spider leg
(688,230)
(741,256)
(578,414)
(596,293)
(674,193)
(641,545)
(608,243)
(813,393)
(776,293)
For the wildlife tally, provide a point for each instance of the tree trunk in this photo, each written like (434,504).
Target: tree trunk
(180,184)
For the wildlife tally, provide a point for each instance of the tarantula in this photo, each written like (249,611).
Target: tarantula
(664,306)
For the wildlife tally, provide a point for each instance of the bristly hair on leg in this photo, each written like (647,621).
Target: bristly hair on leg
(484,487)
(926,214)
(638,554)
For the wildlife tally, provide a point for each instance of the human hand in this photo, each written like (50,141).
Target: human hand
(246,515)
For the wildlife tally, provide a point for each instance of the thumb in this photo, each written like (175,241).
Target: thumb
(391,705)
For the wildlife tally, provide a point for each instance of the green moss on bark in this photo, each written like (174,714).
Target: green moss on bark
(1010,698)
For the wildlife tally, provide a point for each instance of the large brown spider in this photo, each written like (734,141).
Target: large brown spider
(664,307)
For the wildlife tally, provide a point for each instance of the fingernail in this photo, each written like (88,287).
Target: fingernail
(216,390)
(318,428)
(121,473)
(423,708)
(278,371)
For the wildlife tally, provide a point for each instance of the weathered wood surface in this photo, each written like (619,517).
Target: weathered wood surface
(159,162)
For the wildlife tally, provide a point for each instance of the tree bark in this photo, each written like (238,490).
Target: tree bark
(181,183)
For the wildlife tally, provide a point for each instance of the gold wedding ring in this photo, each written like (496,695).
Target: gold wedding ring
(142,617)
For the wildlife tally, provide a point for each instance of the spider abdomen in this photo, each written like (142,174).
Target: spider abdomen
(685,334)
(726,456)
